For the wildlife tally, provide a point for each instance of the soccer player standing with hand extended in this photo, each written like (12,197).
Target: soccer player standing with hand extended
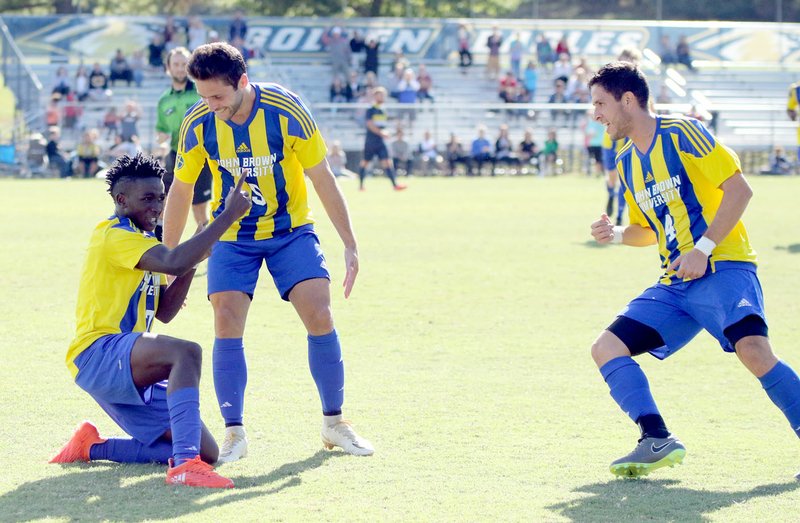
(686,193)
(116,359)
(264,133)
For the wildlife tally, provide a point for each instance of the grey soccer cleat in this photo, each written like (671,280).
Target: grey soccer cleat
(650,454)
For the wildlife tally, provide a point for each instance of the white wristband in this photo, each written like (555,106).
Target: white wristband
(705,245)
(617,230)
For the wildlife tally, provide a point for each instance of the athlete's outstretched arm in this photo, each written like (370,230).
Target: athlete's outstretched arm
(335,206)
(736,195)
(179,201)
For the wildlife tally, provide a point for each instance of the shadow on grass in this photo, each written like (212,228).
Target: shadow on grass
(792,249)
(657,500)
(108,491)
(594,245)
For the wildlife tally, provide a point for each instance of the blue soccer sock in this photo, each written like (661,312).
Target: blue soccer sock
(783,387)
(629,387)
(327,369)
(230,378)
(390,174)
(131,451)
(184,420)
(362,173)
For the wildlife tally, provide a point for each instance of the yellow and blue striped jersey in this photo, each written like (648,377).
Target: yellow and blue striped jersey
(794,101)
(114,296)
(673,189)
(272,148)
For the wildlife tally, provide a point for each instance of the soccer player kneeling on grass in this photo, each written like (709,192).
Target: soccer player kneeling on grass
(686,193)
(116,359)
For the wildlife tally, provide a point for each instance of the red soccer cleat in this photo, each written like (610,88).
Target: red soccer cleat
(196,473)
(400,187)
(77,448)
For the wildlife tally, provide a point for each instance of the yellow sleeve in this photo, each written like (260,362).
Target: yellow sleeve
(791,104)
(311,151)
(124,248)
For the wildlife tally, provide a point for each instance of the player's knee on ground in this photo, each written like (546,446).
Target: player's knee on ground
(209,450)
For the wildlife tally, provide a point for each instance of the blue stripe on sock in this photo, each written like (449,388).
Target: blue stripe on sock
(629,387)
(230,378)
(783,387)
(184,420)
(327,369)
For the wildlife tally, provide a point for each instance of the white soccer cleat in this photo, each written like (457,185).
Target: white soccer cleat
(337,432)
(234,447)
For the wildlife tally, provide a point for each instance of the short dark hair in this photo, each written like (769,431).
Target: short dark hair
(132,168)
(619,78)
(218,60)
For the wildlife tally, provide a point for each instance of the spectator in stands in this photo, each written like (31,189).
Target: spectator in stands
(337,159)
(563,67)
(111,122)
(516,51)
(138,65)
(504,150)
(493,43)
(98,84)
(129,120)
(559,96)
(425,84)
(339,51)
(530,79)
(72,111)
(528,152)
(631,55)
(247,52)
(340,92)
(428,153)
(171,33)
(52,115)
(371,58)
(392,83)
(562,47)
(355,85)
(407,90)
(550,153)
(88,153)
(544,51)
(779,163)
(506,82)
(401,154)
(667,53)
(81,84)
(58,160)
(399,62)
(464,54)
(120,69)
(197,33)
(213,36)
(238,27)
(481,150)
(61,83)
(683,53)
(357,47)
(155,52)
(454,152)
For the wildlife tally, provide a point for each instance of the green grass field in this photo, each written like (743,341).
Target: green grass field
(466,345)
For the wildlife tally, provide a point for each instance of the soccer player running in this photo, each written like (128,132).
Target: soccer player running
(266,134)
(375,141)
(116,359)
(171,107)
(686,193)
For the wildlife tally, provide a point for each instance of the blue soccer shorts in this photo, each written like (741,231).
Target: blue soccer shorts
(714,302)
(290,259)
(609,159)
(104,371)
